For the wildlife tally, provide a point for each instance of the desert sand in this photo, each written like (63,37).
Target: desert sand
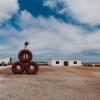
(51,83)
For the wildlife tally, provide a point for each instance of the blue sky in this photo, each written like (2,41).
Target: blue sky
(56,29)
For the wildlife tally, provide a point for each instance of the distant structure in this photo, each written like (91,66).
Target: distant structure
(5,61)
(91,64)
(52,62)
(42,63)
(26,44)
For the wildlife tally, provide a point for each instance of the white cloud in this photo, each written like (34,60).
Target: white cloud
(7,8)
(51,4)
(47,36)
(86,11)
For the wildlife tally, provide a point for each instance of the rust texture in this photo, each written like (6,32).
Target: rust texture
(25,56)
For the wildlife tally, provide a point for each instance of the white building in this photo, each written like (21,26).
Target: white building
(52,62)
(5,61)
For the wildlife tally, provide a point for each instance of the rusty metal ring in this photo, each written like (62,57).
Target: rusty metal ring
(28,70)
(21,56)
(15,70)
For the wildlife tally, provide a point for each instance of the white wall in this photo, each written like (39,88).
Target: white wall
(6,60)
(52,62)
(71,63)
(49,62)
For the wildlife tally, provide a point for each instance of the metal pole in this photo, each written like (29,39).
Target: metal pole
(25,63)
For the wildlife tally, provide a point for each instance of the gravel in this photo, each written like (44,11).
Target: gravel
(52,83)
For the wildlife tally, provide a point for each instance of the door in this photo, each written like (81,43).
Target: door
(65,63)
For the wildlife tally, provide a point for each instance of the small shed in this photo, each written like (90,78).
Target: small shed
(5,61)
(52,62)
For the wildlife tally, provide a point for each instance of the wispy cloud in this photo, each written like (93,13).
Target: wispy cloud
(7,9)
(85,11)
(48,36)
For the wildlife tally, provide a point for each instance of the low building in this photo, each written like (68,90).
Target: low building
(5,61)
(91,64)
(52,62)
(42,63)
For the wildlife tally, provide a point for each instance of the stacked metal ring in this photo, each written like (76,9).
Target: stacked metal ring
(25,56)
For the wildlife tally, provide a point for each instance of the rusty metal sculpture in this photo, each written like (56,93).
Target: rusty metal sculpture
(25,57)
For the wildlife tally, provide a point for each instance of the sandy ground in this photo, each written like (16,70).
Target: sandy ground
(52,83)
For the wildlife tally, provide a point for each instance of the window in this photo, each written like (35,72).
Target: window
(75,62)
(57,62)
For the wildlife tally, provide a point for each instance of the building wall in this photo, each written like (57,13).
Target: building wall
(5,60)
(71,63)
(49,62)
(52,62)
